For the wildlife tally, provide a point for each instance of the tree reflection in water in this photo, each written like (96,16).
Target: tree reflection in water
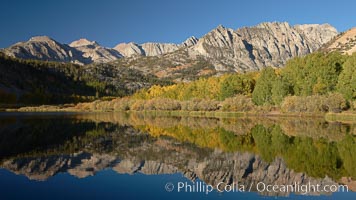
(273,150)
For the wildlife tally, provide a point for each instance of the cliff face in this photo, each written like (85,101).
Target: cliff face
(92,51)
(189,42)
(319,34)
(267,44)
(152,48)
(129,49)
(225,50)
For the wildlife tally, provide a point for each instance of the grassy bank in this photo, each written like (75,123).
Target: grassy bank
(238,106)
(171,113)
(183,113)
(224,114)
(45,108)
(345,117)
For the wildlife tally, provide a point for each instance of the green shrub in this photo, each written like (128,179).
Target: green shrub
(262,93)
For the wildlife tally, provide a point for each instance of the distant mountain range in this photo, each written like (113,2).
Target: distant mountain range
(122,70)
(84,52)
(244,49)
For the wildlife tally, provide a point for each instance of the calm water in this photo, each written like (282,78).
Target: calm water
(133,156)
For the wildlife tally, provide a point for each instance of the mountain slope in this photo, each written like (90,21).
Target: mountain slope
(146,49)
(344,43)
(39,82)
(152,48)
(222,50)
(94,52)
(47,49)
(267,44)
(130,49)
(317,33)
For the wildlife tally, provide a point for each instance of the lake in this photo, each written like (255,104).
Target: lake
(141,156)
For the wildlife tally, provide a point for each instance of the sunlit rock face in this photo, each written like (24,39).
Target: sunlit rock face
(45,48)
(267,44)
(94,52)
(244,49)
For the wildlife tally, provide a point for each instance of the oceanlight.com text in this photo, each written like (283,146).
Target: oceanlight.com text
(305,188)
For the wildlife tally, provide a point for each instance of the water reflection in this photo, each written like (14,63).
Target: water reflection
(248,151)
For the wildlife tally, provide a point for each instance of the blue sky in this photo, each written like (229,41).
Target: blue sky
(110,22)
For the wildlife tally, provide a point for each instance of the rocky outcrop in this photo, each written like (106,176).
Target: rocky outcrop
(47,49)
(320,34)
(149,48)
(130,49)
(152,48)
(344,43)
(155,49)
(189,42)
(83,42)
(92,51)
(267,44)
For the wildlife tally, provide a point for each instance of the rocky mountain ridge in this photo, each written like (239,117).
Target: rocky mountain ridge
(152,48)
(267,44)
(84,52)
(94,52)
(45,48)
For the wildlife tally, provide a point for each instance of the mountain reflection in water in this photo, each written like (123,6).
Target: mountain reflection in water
(246,150)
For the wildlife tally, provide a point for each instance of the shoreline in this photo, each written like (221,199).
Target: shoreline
(344,117)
